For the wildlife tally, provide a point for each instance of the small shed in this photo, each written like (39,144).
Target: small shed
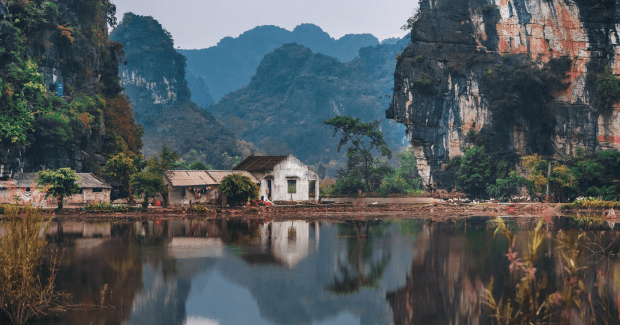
(24,188)
(282,178)
(187,187)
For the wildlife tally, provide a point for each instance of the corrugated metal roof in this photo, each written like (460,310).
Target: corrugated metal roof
(218,175)
(258,163)
(189,178)
(87,180)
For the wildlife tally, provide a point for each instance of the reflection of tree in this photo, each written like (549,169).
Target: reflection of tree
(360,270)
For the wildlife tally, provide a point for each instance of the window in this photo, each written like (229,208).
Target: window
(97,190)
(311,187)
(292,185)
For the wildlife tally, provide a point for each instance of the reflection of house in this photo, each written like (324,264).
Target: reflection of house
(187,187)
(289,241)
(23,187)
(195,247)
(282,178)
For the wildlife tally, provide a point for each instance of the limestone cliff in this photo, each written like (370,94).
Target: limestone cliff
(45,45)
(517,76)
(153,74)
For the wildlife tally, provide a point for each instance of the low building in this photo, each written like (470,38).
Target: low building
(282,178)
(189,187)
(23,189)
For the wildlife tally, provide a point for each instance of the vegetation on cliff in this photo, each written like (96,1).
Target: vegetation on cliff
(153,74)
(40,34)
(581,175)
(294,90)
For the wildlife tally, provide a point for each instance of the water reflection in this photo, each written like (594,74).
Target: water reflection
(296,272)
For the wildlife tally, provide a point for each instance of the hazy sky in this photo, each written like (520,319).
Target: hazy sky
(202,23)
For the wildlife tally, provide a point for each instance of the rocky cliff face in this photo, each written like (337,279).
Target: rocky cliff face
(517,76)
(43,44)
(153,74)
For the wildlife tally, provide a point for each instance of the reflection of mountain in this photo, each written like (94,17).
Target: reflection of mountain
(168,272)
(444,286)
(298,295)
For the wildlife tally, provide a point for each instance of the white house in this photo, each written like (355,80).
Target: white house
(282,178)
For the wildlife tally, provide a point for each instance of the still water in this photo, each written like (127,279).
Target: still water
(298,272)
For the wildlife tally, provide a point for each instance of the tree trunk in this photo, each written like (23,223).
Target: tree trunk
(130,197)
(60,203)
(164,196)
(145,203)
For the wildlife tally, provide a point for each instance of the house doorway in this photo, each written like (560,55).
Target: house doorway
(269,193)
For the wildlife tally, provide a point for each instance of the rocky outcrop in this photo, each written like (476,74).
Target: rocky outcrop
(517,76)
(82,60)
(153,74)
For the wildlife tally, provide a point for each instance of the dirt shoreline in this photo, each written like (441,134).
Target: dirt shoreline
(433,211)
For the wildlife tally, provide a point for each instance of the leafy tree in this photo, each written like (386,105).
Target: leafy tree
(475,172)
(404,179)
(199,165)
(364,138)
(168,158)
(505,185)
(607,90)
(562,181)
(238,188)
(122,167)
(231,161)
(59,183)
(537,173)
(148,183)
(598,174)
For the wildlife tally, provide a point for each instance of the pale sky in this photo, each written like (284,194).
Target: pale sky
(202,23)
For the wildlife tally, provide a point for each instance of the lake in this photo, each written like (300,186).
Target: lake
(261,271)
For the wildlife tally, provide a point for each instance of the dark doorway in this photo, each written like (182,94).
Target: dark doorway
(269,188)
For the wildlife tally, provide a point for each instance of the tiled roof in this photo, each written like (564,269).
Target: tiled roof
(189,178)
(259,163)
(218,175)
(87,180)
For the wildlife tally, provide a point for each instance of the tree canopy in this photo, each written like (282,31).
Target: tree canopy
(59,183)
(365,138)
(238,188)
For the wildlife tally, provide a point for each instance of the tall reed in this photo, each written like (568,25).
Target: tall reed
(24,293)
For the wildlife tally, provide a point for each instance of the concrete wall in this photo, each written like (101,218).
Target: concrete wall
(88,196)
(178,198)
(291,168)
(37,198)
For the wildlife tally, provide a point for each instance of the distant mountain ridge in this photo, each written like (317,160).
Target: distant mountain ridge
(230,64)
(294,90)
(153,75)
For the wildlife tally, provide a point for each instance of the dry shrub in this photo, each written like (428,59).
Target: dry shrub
(23,293)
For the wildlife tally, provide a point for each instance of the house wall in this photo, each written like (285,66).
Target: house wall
(290,168)
(176,197)
(88,196)
(37,198)
(34,197)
